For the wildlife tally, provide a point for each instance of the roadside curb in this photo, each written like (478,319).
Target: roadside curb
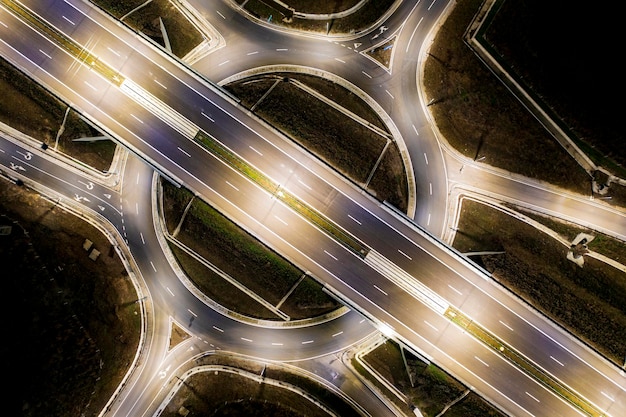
(161,232)
(394,131)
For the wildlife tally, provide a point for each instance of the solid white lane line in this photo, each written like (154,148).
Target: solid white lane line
(405,255)
(413,34)
(376,286)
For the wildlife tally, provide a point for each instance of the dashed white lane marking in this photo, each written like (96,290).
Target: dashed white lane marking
(455,290)
(431,326)
(484,363)
(531,396)
(505,325)
(556,360)
(330,254)
(258,152)
(379,289)
(355,220)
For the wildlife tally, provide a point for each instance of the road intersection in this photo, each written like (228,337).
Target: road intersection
(395,243)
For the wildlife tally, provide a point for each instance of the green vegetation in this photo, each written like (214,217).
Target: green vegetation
(182,34)
(424,386)
(221,392)
(315,217)
(592,299)
(78,322)
(242,257)
(349,146)
(33,110)
(355,22)
(520,361)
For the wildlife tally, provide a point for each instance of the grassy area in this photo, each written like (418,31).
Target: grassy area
(31,109)
(183,35)
(592,299)
(242,257)
(479,117)
(340,141)
(320,7)
(227,394)
(78,321)
(425,386)
(353,23)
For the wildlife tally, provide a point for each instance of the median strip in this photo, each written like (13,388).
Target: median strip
(521,362)
(275,189)
(80,53)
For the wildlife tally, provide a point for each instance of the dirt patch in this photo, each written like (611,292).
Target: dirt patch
(243,258)
(227,394)
(32,110)
(77,317)
(592,299)
(343,143)
(426,387)
(479,117)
